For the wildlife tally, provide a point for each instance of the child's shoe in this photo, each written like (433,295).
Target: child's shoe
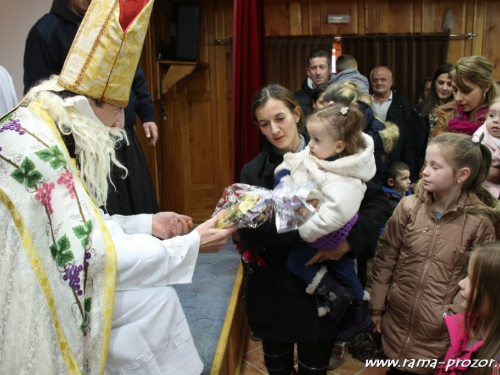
(356,321)
(334,299)
(338,356)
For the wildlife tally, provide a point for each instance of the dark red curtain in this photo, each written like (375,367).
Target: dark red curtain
(411,57)
(249,75)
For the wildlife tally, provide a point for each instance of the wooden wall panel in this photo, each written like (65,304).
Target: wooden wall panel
(192,158)
(434,12)
(278,12)
(339,8)
(399,17)
(491,32)
(388,16)
(199,142)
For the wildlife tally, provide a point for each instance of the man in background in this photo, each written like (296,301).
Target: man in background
(390,106)
(47,46)
(347,70)
(319,71)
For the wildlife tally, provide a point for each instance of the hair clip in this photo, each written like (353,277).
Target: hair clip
(330,103)
(344,110)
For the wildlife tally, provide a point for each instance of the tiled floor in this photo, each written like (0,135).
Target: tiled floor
(253,363)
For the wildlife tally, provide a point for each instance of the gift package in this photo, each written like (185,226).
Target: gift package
(291,207)
(246,206)
(251,206)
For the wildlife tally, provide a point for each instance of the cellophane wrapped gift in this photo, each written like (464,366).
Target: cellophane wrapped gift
(291,208)
(246,205)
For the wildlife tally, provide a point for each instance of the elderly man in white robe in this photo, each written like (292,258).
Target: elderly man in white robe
(83,292)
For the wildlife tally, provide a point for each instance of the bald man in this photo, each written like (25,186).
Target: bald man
(390,106)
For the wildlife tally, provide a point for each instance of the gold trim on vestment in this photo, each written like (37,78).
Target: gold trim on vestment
(43,281)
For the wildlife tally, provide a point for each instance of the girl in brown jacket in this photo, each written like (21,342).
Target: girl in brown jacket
(424,250)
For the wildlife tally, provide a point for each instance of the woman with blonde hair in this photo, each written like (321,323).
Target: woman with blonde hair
(474,88)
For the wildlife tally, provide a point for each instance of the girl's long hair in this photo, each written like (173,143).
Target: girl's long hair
(485,289)
(461,151)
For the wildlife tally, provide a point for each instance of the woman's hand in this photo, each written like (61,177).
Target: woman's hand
(169,224)
(324,255)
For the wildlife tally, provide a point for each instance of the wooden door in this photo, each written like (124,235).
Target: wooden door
(192,157)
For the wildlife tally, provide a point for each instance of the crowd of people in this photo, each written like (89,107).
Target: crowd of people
(415,188)
(428,207)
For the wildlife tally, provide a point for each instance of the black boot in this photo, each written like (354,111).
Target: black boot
(356,321)
(332,297)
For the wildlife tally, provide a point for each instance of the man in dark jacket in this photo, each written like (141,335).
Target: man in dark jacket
(319,71)
(390,106)
(47,46)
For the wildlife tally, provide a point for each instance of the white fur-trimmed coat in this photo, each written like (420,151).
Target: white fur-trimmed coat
(341,186)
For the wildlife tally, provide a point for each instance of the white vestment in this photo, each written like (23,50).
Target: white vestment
(8,99)
(150,334)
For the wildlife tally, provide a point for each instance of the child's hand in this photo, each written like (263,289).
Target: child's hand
(314,202)
(377,320)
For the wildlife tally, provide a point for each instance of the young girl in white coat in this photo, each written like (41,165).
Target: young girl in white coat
(339,159)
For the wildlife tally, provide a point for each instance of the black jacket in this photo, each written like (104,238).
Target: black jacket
(399,113)
(277,306)
(303,96)
(419,134)
(373,127)
(47,46)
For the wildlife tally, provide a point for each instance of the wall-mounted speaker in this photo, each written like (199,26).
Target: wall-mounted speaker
(184,33)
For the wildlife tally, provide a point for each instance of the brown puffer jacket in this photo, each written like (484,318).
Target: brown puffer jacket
(417,267)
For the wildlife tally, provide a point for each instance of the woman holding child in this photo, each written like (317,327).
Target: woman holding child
(277,306)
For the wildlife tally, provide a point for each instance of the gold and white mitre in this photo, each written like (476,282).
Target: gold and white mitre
(103,58)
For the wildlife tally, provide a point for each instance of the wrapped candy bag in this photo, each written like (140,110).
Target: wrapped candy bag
(246,205)
(291,208)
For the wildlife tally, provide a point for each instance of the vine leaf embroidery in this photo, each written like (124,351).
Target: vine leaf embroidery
(60,251)
(82,232)
(26,172)
(8,118)
(88,304)
(52,155)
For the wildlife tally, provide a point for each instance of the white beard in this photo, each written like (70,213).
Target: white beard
(94,141)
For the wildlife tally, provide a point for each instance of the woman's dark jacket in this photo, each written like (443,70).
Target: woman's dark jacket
(277,306)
